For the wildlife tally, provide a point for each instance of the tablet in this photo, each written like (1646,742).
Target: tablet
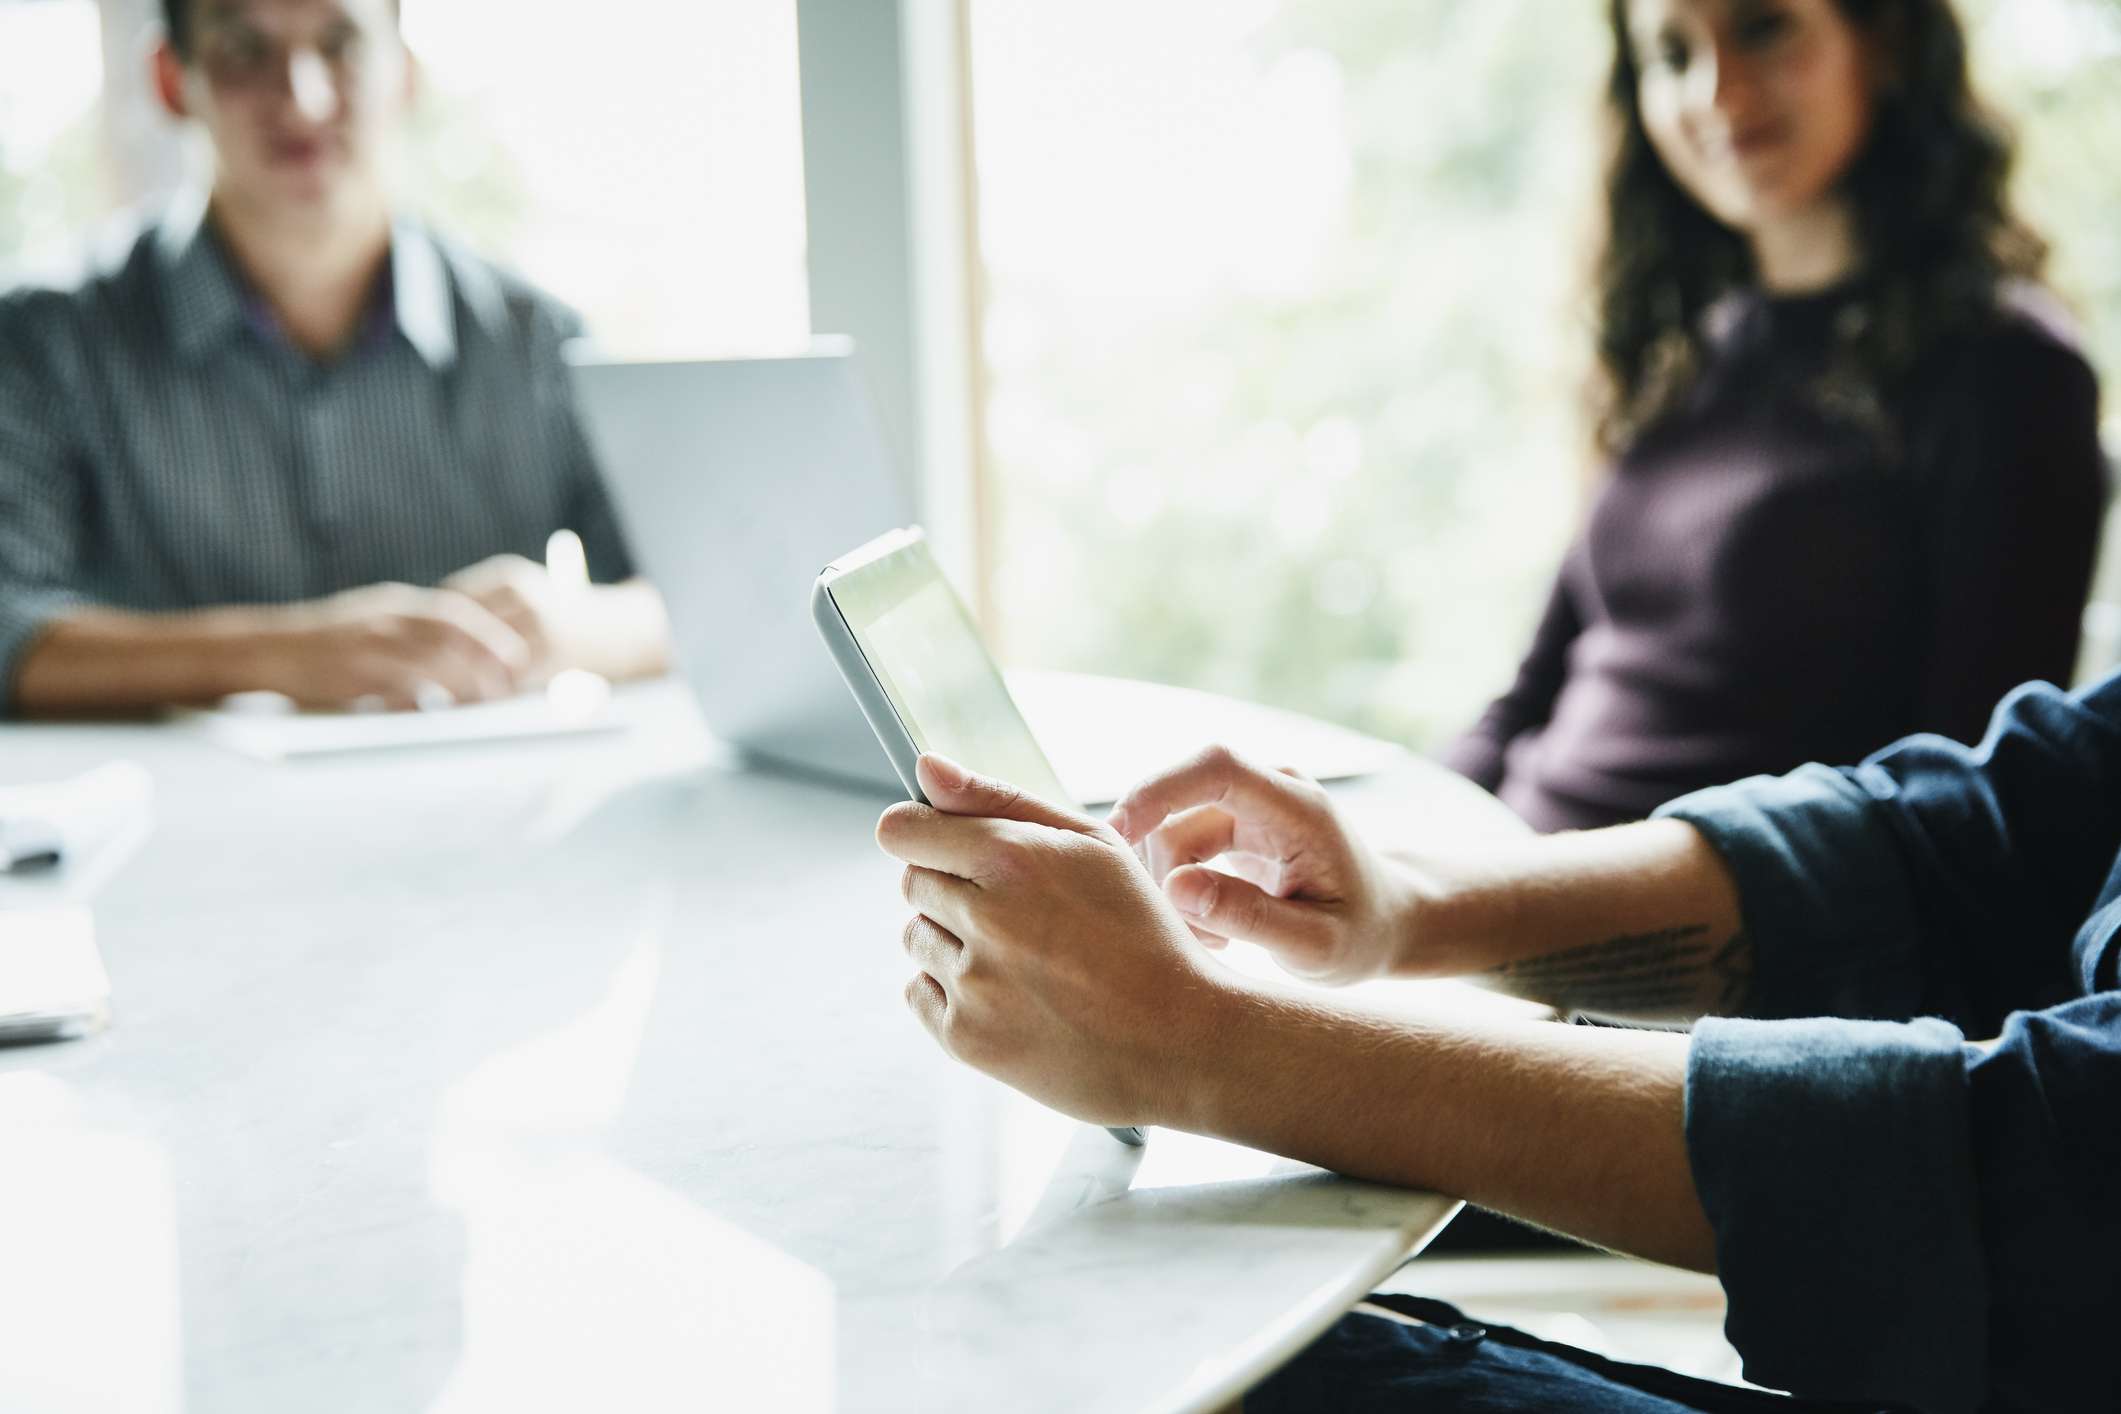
(922,675)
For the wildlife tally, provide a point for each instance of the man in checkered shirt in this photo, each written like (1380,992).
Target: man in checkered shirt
(294,441)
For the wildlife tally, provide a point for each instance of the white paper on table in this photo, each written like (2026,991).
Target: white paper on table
(52,981)
(267,732)
(69,822)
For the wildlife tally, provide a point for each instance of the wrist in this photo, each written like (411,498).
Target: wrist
(1214,1081)
(1306,1076)
(107,659)
(1554,892)
(1439,915)
(245,649)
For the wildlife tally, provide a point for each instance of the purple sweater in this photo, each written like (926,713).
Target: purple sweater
(1763,583)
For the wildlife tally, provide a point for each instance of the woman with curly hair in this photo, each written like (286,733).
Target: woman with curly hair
(1855,479)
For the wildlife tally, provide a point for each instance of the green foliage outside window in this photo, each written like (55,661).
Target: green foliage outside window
(1350,499)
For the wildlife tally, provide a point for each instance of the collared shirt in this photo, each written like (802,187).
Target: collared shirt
(164,446)
(1903,1215)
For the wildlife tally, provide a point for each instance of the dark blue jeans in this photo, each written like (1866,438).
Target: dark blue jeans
(1455,1365)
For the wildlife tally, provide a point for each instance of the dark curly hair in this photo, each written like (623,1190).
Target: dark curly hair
(176,24)
(1933,220)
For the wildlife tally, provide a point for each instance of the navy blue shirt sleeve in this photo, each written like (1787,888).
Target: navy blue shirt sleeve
(1934,879)
(1900,1215)
(1835,1162)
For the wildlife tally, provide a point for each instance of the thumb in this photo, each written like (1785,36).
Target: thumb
(954,790)
(1236,908)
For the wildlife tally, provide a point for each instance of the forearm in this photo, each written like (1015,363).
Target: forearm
(101,660)
(1577,1129)
(1639,922)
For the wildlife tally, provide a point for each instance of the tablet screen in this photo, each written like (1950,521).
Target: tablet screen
(925,651)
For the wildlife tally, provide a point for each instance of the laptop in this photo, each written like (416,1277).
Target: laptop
(734,481)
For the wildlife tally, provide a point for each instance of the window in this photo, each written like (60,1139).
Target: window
(1284,333)
(1281,330)
(642,160)
(643,163)
(51,185)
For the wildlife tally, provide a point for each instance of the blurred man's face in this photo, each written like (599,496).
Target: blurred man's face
(298,96)
(1756,107)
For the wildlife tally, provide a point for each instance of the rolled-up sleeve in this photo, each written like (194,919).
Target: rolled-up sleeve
(1901,1216)
(1827,898)
(1835,1162)
(40,511)
(1934,878)
(1904,1217)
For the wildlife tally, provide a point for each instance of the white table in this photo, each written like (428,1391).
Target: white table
(575,1075)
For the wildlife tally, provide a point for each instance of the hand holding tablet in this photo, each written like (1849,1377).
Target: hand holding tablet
(925,681)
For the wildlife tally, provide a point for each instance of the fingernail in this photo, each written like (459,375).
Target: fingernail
(947,772)
(1191,893)
(1117,820)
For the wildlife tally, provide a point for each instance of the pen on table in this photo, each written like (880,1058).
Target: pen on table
(573,692)
(566,563)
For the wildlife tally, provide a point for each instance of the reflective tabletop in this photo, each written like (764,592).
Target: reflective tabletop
(575,1074)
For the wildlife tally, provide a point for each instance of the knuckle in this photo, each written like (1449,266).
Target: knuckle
(1021,852)
(942,1018)
(1309,791)
(1006,797)
(964,1038)
(454,609)
(1138,806)
(412,627)
(1068,845)
(1106,837)
(1001,856)
(978,919)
